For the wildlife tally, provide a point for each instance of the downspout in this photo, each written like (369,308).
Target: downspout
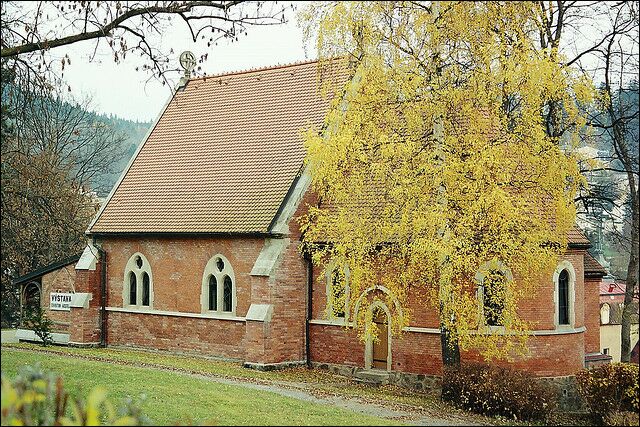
(309,311)
(103,296)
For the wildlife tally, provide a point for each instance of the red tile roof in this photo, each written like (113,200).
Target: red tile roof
(577,237)
(612,288)
(592,267)
(224,154)
(222,157)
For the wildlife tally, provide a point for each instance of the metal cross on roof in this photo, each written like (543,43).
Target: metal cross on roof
(188,62)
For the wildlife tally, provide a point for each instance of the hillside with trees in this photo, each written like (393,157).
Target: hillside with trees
(133,133)
(58,160)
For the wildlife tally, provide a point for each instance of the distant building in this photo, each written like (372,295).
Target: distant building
(611,306)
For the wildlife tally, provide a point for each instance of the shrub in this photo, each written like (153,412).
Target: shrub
(31,399)
(624,418)
(36,319)
(610,389)
(37,398)
(494,391)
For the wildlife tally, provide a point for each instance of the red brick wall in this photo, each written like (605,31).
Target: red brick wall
(181,334)
(283,339)
(82,324)
(288,291)
(540,308)
(60,280)
(592,315)
(85,325)
(177,266)
(550,355)
(419,352)
(335,344)
(422,314)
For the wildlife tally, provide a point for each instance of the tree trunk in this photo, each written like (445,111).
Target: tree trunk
(629,311)
(624,153)
(449,345)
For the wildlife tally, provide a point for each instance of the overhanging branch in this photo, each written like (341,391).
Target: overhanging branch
(107,29)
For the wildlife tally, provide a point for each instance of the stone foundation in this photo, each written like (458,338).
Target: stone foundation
(273,366)
(566,393)
(84,345)
(402,379)
(566,390)
(30,336)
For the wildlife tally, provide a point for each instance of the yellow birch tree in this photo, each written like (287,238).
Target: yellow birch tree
(436,164)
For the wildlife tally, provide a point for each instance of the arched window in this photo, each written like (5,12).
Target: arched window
(218,293)
(145,289)
(605,314)
(564,279)
(493,278)
(493,290)
(563,298)
(337,292)
(228,295)
(31,296)
(213,293)
(138,282)
(133,289)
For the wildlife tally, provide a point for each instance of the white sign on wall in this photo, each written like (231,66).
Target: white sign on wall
(60,301)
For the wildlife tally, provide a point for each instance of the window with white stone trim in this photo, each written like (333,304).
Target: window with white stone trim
(138,283)
(492,278)
(605,313)
(563,298)
(337,292)
(564,294)
(218,293)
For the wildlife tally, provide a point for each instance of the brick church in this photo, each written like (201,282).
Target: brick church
(197,250)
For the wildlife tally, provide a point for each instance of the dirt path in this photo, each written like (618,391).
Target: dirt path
(408,414)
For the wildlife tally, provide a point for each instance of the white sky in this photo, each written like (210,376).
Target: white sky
(120,90)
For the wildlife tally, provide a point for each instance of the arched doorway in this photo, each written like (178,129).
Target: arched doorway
(380,349)
(378,353)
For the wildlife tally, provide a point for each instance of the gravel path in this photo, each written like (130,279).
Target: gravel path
(408,414)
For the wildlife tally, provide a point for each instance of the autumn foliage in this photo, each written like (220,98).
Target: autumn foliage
(492,390)
(38,398)
(437,159)
(610,390)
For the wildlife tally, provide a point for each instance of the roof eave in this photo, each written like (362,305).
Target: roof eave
(594,274)
(46,269)
(261,234)
(573,245)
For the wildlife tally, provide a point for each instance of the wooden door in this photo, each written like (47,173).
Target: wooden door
(381,348)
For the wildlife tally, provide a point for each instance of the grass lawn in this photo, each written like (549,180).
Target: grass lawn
(174,398)
(323,382)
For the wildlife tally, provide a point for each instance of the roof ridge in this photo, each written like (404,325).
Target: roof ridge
(255,70)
